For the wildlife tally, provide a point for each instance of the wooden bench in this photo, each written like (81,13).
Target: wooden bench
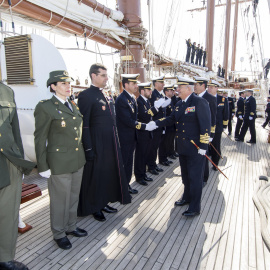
(30,192)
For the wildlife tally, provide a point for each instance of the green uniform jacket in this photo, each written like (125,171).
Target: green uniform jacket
(58,135)
(11,147)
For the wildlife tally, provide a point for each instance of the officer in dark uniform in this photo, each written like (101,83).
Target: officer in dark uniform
(221,119)
(193,51)
(267,113)
(188,50)
(13,166)
(157,94)
(175,99)
(127,124)
(166,147)
(249,118)
(200,89)
(193,123)
(231,110)
(204,57)
(239,113)
(144,137)
(198,51)
(200,56)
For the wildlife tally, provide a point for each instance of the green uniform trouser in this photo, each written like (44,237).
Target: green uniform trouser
(64,192)
(10,199)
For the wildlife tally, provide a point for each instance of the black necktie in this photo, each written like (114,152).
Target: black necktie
(66,103)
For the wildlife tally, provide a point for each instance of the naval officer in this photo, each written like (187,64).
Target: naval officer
(127,123)
(249,118)
(13,166)
(221,119)
(193,123)
(60,156)
(144,137)
(156,95)
(200,89)
(239,113)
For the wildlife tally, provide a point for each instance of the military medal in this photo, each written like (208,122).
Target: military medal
(103,108)
(63,124)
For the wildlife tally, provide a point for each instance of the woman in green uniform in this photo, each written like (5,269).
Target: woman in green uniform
(60,156)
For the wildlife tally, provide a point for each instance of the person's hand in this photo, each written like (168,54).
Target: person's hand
(202,152)
(159,102)
(250,118)
(151,126)
(89,154)
(210,139)
(166,103)
(46,174)
(240,117)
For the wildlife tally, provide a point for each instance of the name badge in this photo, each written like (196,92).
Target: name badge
(190,109)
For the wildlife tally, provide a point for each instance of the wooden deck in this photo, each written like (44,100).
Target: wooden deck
(151,233)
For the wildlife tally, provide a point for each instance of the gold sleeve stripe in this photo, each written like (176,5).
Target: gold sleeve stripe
(150,112)
(213,129)
(225,122)
(251,113)
(204,138)
(233,110)
(139,125)
(239,112)
(161,119)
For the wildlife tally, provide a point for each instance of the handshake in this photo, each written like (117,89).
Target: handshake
(162,102)
(151,126)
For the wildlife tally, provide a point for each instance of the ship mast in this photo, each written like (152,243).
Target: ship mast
(227,37)
(210,32)
(235,35)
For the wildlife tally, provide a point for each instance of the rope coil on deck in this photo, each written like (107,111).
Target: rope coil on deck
(261,200)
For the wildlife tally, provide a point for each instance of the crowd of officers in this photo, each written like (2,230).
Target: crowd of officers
(195,54)
(86,151)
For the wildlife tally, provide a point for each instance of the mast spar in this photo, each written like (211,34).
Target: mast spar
(210,32)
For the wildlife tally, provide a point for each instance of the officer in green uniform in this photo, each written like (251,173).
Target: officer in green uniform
(60,156)
(12,167)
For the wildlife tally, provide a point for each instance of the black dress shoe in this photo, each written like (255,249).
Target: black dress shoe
(153,172)
(63,243)
(149,179)
(172,157)
(204,184)
(176,154)
(238,140)
(99,216)
(13,265)
(158,169)
(142,182)
(181,202)
(169,161)
(164,163)
(229,133)
(109,209)
(132,191)
(190,213)
(250,141)
(78,232)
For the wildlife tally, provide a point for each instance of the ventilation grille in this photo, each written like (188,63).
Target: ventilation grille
(19,60)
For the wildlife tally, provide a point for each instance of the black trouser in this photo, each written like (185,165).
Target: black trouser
(143,145)
(266,122)
(192,168)
(127,150)
(152,156)
(216,143)
(251,125)
(188,55)
(230,124)
(239,124)
(206,169)
(170,142)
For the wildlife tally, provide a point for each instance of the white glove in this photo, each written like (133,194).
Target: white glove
(232,114)
(46,174)
(250,118)
(240,117)
(166,103)
(159,102)
(210,139)
(202,152)
(151,126)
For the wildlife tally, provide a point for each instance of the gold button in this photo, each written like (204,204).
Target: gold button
(57,149)
(77,149)
(183,138)
(177,122)
(8,104)
(2,150)
(76,139)
(0,134)
(183,124)
(183,131)
(176,129)
(74,117)
(176,137)
(75,128)
(62,117)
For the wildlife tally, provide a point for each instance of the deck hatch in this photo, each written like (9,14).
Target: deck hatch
(19,59)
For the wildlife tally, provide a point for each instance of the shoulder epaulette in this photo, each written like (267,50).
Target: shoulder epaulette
(44,100)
